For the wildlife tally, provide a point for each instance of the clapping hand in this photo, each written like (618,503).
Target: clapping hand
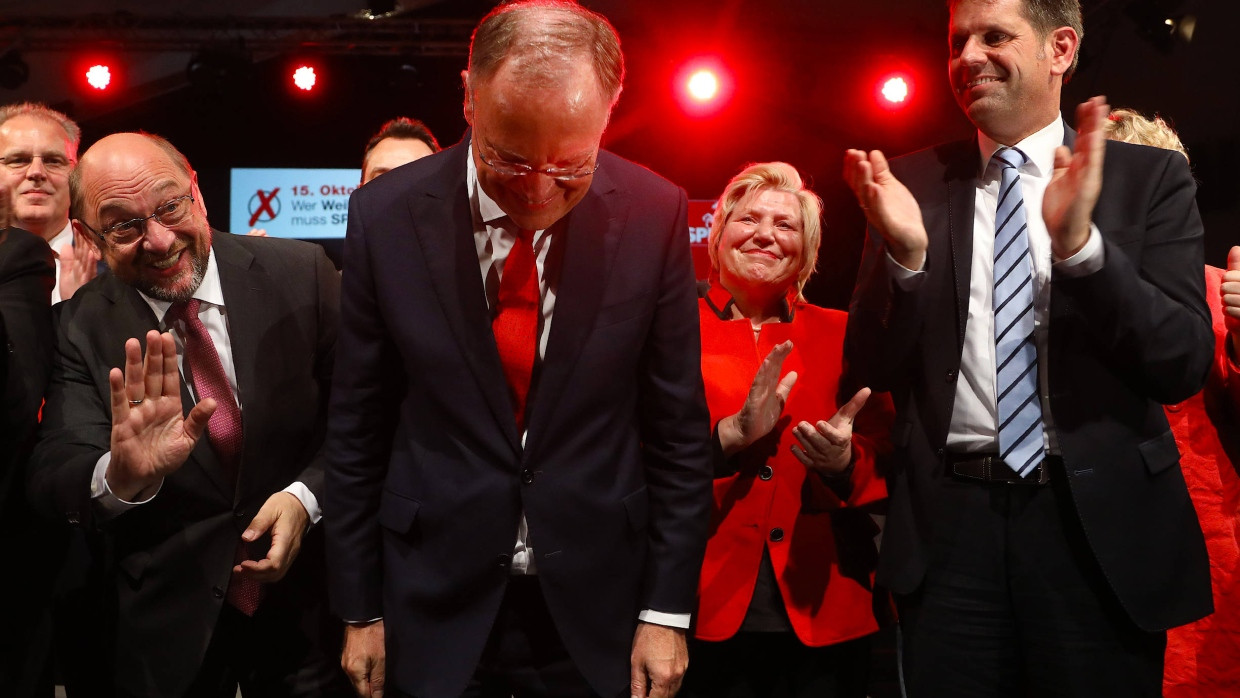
(889,206)
(79,262)
(826,447)
(763,405)
(1230,292)
(1068,204)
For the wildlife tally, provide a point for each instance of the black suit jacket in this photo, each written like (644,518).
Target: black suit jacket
(428,478)
(174,555)
(1121,341)
(27,275)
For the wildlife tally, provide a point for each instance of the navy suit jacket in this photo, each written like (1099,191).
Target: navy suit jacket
(427,476)
(1122,340)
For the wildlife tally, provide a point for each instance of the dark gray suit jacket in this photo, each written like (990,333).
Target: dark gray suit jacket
(173,557)
(1122,340)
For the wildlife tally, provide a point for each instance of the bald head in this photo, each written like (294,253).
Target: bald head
(137,196)
(119,147)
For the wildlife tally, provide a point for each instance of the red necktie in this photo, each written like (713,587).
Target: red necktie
(516,321)
(202,363)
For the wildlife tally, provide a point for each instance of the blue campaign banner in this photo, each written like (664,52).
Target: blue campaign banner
(307,204)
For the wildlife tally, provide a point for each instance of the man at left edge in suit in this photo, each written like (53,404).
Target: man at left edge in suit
(206,508)
(27,275)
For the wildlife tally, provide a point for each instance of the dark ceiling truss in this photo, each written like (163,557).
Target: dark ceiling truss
(380,35)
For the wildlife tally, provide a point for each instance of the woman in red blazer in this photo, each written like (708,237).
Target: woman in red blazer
(785,598)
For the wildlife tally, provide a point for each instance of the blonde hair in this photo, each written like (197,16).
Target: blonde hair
(1130,126)
(773,176)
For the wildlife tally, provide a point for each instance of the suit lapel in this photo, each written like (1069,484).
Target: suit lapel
(959,177)
(591,234)
(443,224)
(251,314)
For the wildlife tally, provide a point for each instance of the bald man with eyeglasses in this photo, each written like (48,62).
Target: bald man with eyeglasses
(183,422)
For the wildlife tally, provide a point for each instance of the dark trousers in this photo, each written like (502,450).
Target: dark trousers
(524,655)
(776,665)
(278,652)
(1014,604)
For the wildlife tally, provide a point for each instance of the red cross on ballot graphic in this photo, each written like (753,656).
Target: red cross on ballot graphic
(264,207)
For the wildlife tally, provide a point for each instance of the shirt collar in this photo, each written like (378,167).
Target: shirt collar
(1039,147)
(63,237)
(209,291)
(485,206)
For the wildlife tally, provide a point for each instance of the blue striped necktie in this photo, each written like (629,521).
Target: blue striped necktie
(1016,353)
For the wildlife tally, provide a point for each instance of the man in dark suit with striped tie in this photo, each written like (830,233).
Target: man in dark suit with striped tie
(1029,307)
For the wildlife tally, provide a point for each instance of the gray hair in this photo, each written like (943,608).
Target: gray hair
(44,112)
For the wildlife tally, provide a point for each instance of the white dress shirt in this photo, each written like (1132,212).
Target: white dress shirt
(974,423)
(64,237)
(214,317)
(494,236)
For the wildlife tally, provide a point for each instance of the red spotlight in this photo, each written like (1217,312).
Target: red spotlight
(305,78)
(99,76)
(894,91)
(703,85)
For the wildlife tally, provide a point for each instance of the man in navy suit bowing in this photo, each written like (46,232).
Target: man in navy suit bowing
(1029,308)
(518,482)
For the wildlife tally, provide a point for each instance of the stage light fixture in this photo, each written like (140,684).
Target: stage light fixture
(703,85)
(895,90)
(13,70)
(305,78)
(99,76)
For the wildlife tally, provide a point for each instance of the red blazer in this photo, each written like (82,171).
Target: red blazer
(1203,658)
(824,565)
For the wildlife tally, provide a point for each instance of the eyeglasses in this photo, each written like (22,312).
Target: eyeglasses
(169,214)
(517,169)
(20,162)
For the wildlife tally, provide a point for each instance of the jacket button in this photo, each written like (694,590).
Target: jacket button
(777,534)
(766,472)
(950,377)
(527,477)
(1174,408)
(503,560)
(217,592)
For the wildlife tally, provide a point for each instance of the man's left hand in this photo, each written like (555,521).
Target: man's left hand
(660,657)
(1068,204)
(286,519)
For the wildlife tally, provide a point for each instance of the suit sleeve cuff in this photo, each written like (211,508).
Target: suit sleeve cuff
(1087,260)
(904,278)
(106,502)
(307,499)
(671,620)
